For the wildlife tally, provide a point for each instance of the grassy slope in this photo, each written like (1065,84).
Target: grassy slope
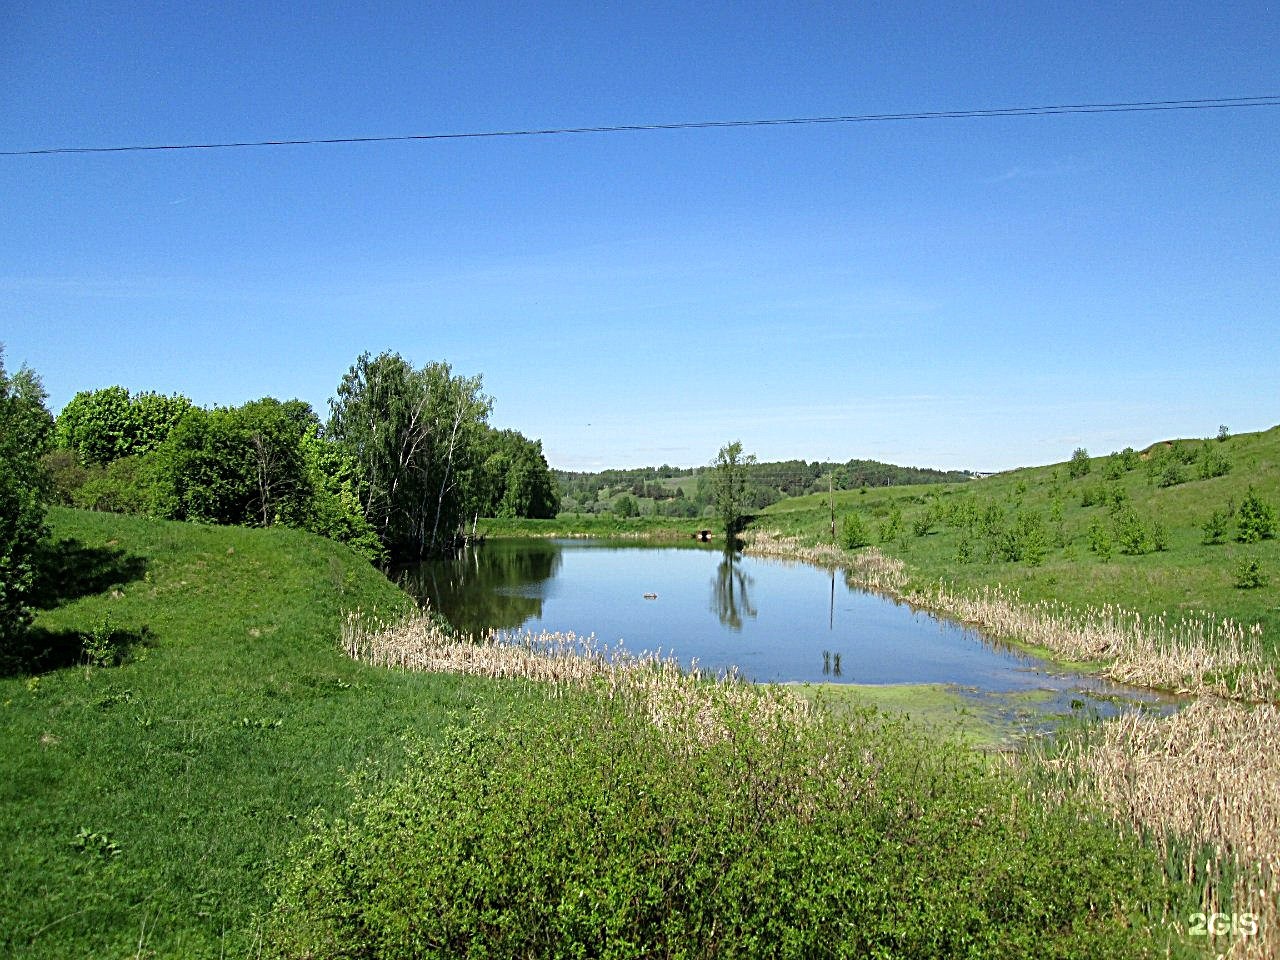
(1190,575)
(156,755)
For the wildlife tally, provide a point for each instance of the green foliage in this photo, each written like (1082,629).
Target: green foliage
(107,424)
(124,486)
(1130,532)
(625,507)
(1224,433)
(729,486)
(24,429)
(511,478)
(854,532)
(415,434)
(1215,528)
(237,465)
(1079,465)
(333,507)
(1100,541)
(1213,462)
(1249,574)
(583,829)
(891,526)
(1256,520)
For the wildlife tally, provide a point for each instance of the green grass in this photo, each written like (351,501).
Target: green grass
(597,525)
(197,759)
(1189,575)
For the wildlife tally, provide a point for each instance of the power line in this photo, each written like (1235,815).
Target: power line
(1143,106)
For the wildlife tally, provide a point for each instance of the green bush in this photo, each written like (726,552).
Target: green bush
(854,532)
(583,829)
(1255,520)
(25,425)
(1078,466)
(1249,575)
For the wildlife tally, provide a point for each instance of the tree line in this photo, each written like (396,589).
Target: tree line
(404,461)
(690,492)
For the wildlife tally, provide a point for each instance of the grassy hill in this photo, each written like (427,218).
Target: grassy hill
(141,803)
(1130,531)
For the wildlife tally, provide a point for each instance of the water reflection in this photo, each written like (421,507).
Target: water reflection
(731,596)
(486,586)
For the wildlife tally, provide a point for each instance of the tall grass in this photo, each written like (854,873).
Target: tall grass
(1204,786)
(1198,652)
(640,812)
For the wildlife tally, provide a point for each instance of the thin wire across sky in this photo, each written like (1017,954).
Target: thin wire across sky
(1143,106)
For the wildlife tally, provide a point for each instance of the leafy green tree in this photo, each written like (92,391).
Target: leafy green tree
(414,434)
(105,425)
(25,425)
(234,465)
(729,486)
(1255,520)
(1079,465)
(625,506)
(333,506)
(854,532)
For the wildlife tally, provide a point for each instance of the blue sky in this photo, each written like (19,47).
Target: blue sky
(979,293)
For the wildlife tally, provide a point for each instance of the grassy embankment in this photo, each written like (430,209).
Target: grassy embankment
(1188,575)
(147,805)
(604,525)
(142,805)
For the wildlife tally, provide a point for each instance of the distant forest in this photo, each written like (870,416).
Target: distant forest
(685,492)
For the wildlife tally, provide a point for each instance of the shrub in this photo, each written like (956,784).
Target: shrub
(1079,465)
(1215,528)
(1249,575)
(1130,533)
(1100,539)
(725,828)
(1255,519)
(1213,463)
(853,532)
(24,428)
(891,526)
(124,487)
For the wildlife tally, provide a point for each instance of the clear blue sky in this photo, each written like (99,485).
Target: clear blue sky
(975,293)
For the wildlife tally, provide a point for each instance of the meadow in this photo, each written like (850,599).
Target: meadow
(196,755)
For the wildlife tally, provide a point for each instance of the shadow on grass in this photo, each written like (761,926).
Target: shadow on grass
(67,570)
(40,650)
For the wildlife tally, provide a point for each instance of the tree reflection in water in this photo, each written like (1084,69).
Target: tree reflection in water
(731,596)
(488,586)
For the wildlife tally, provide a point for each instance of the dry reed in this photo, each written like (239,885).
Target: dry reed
(1205,785)
(692,705)
(1198,653)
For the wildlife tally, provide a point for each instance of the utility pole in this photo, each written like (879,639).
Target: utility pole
(831,493)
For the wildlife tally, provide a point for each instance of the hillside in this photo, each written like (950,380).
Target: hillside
(1131,531)
(141,803)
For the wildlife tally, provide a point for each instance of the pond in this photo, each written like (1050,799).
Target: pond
(770,620)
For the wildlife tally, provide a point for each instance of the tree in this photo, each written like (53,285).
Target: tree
(1255,520)
(1078,466)
(25,426)
(102,426)
(234,465)
(414,434)
(729,486)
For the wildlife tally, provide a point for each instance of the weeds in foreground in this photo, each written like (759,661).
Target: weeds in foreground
(637,811)
(1204,786)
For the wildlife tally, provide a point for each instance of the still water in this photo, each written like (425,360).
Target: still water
(770,620)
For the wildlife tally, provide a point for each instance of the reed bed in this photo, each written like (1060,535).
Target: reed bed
(869,568)
(1204,785)
(1198,653)
(693,705)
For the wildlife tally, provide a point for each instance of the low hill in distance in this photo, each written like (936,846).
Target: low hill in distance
(1163,530)
(686,492)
